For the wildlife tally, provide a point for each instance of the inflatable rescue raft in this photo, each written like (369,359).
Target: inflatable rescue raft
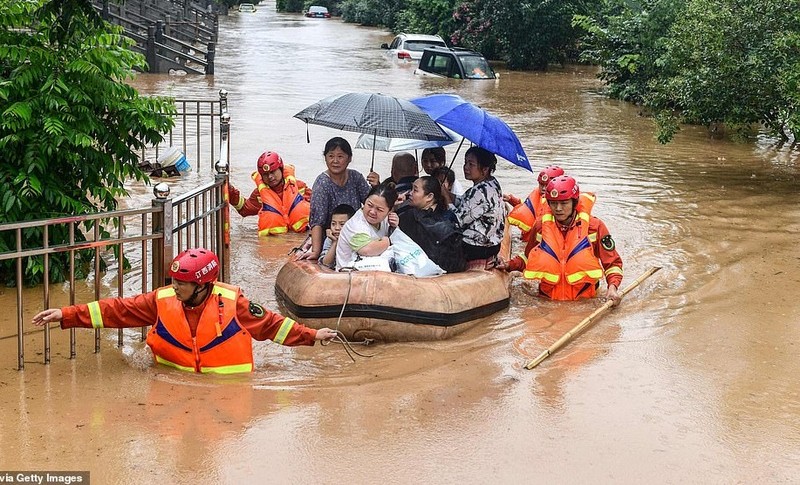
(391,307)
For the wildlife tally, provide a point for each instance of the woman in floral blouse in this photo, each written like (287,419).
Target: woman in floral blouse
(481,212)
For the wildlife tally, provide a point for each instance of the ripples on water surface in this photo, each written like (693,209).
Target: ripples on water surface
(693,379)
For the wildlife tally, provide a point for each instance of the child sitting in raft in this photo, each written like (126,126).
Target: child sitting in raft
(434,159)
(341,214)
(366,234)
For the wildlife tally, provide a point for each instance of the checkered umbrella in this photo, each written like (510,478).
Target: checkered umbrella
(375,114)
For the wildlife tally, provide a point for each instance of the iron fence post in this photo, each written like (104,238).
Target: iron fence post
(223,101)
(160,31)
(223,220)
(225,137)
(162,222)
(152,60)
(210,58)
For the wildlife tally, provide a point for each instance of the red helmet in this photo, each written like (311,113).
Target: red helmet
(550,172)
(268,162)
(195,266)
(562,188)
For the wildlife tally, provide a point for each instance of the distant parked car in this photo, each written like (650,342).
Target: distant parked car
(318,12)
(247,7)
(410,46)
(454,63)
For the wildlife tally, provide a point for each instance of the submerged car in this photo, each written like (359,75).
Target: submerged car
(247,7)
(410,46)
(454,63)
(315,11)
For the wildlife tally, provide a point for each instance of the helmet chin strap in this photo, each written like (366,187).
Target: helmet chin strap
(190,301)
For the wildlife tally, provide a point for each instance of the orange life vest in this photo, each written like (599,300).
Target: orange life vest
(525,214)
(278,214)
(566,264)
(221,344)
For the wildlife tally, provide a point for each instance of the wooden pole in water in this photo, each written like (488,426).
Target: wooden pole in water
(587,321)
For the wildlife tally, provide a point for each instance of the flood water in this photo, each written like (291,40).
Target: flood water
(693,379)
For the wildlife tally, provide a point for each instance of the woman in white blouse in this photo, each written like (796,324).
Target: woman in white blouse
(367,232)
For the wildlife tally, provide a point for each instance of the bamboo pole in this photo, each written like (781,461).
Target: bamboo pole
(587,321)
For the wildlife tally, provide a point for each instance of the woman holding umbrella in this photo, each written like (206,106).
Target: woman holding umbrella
(337,185)
(481,212)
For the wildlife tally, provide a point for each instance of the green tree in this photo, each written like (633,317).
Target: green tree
(731,63)
(427,17)
(527,35)
(70,127)
(289,5)
(627,40)
(372,12)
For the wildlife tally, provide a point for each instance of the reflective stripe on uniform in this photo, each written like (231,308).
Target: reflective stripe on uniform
(164,361)
(520,224)
(165,293)
(283,332)
(594,274)
(95,315)
(299,224)
(273,230)
(614,270)
(541,275)
(225,292)
(227,369)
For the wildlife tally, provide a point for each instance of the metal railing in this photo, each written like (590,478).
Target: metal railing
(171,35)
(131,249)
(197,124)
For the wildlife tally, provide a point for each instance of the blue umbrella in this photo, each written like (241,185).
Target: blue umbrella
(475,124)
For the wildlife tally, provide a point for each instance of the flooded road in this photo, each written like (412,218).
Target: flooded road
(693,379)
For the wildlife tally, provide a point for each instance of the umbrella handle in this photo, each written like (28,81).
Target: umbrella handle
(374,137)
(456,153)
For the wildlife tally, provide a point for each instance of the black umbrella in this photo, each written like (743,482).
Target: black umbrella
(373,113)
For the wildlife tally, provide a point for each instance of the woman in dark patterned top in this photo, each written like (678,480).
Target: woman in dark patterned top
(337,185)
(480,212)
(429,224)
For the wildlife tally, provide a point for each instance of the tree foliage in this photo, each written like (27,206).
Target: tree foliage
(718,63)
(289,5)
(733,63)
(433,17)
(527,35)
(372,12)
(70,127)
(627,39)
(524,34)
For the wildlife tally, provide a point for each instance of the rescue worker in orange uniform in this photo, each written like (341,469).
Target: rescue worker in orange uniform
(198,324)
(525,213)
(570,250)
(281,201)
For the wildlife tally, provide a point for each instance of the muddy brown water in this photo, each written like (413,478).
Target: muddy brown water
(693,379)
